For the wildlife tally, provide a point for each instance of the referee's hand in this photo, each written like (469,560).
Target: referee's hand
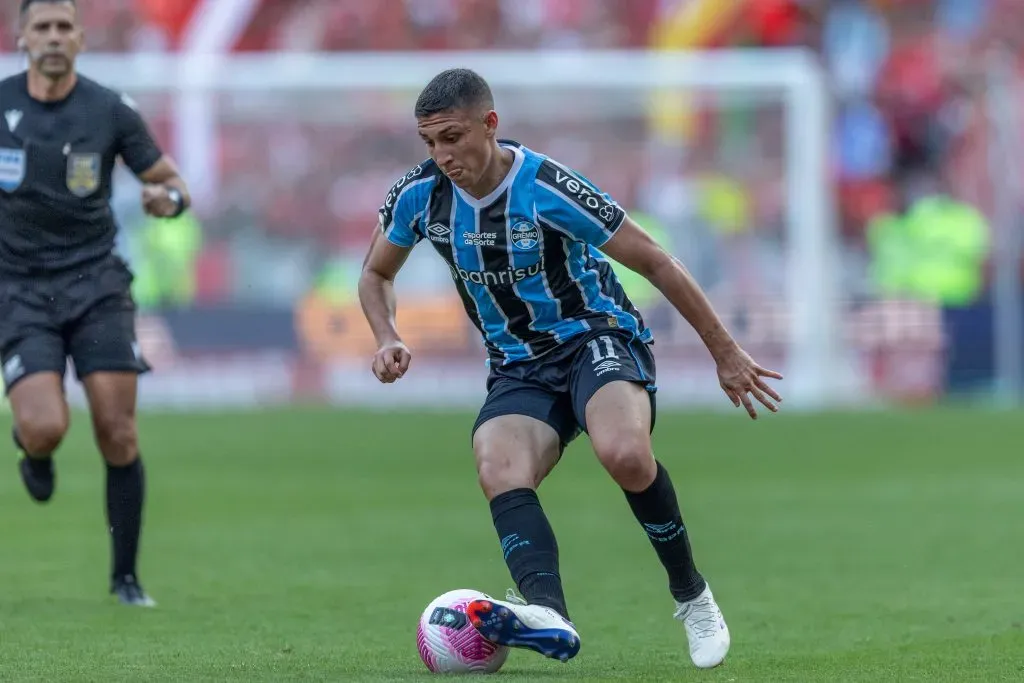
(156,201)
(391,362)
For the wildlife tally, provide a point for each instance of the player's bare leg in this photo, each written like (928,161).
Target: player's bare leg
(514,453)
(40,423)
(619,423)
(112,400)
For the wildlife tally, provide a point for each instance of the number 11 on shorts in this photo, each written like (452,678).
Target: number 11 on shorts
(595,348)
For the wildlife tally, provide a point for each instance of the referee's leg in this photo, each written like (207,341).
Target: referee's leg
(40,423)
(33,360)
(107,361)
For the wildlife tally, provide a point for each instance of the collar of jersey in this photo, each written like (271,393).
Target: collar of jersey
(502,186)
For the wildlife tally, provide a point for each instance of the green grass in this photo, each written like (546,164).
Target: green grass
(303,545)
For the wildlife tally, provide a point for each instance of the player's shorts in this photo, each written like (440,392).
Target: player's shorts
(86,313)
(556,388)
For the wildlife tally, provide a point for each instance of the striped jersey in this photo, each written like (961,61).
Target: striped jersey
(525,259)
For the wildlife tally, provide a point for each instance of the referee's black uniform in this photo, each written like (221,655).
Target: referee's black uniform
(65,293)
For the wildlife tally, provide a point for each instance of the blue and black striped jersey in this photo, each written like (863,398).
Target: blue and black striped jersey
(525,259)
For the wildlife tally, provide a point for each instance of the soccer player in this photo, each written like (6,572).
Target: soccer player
(567,350)
(64,291)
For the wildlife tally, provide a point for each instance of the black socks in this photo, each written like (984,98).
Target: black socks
(657,510)
(125,494)
(529,547)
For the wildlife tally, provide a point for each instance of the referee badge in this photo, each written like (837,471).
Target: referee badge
(83,174)
(12,168)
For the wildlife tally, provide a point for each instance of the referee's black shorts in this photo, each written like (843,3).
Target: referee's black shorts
(85,313)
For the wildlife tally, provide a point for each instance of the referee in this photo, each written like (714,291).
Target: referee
(63,291)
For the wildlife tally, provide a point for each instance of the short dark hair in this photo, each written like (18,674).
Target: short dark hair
(25,4)
(454,89)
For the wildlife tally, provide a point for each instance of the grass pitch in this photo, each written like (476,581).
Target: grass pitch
(303,544)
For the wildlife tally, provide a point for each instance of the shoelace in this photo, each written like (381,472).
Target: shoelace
(700,616)
(510,596)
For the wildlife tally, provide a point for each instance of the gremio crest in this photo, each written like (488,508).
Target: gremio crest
(83,174)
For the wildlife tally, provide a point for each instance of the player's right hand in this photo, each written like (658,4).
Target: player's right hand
(391,362)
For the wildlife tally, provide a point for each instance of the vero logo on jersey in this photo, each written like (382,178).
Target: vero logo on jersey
(585,196)
(525,235)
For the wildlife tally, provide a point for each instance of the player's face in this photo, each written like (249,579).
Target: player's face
(53,37)
(461,143)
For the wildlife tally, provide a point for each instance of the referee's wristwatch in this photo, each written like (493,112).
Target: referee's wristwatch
(174,194)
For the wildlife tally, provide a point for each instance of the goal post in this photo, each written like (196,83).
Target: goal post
(536,89)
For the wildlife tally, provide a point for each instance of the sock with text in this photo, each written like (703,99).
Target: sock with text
(657,510)
(529,547)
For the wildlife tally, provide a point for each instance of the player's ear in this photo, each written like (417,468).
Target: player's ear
(491,121)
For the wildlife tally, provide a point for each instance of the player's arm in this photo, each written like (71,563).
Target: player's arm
(573,206)
(390,246)
(377,297)
(739,375)
(164,191)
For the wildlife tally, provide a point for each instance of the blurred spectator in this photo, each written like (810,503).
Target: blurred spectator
(904,73)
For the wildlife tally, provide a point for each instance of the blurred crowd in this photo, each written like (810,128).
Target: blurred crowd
(907,79)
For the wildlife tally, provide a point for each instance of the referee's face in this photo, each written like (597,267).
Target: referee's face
(52,37)
(460,143)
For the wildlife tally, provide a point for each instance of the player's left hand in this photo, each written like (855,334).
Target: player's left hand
(156,201)
(739,376)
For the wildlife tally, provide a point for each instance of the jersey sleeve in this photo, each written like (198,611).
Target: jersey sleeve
(135,143)
(574,206)
(403,208)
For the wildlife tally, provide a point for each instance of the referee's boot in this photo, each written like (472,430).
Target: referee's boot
(129,591)
(37,474)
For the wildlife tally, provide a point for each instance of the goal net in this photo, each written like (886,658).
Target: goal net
(722,156)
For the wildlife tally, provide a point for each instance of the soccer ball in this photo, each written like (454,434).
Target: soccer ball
(448,643)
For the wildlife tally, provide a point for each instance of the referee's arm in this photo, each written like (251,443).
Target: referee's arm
(164,191)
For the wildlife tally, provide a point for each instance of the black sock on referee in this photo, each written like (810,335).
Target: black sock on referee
(529,547)
(126,488)
(657,510)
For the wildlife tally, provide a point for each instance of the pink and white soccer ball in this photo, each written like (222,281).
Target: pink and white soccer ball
(448,643)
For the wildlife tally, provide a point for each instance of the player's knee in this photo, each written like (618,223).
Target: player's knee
(629,460)
(41,431)
(117,439)
(498,472)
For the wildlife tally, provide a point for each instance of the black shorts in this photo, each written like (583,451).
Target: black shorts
(556,388)
(86,313)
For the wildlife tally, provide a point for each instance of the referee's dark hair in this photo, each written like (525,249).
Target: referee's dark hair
(25,4)
(454,89)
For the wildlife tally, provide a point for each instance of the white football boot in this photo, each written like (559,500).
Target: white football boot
(705,629)
(513,623)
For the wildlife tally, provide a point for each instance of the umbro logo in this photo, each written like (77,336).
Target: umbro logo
(607,366)
(440,233)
